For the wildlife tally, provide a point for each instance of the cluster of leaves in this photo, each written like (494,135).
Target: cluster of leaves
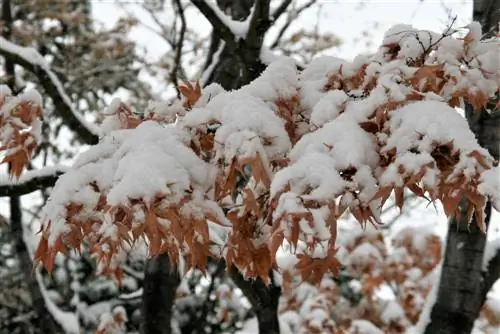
(113,323)
(386,291)
(233,175)
(20,127)
(91,61)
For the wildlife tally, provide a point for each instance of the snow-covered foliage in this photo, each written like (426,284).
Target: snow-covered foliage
(382,289)
(239,175)
(489,318)
(20,127)
(233,174)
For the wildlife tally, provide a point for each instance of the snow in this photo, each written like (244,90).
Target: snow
(364,327)
(331,158)
(490,185)
(27,176)
(67,320)
(32,56)
(392,312)
(238,28)
(493,245)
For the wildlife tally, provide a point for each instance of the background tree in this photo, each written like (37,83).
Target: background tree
(464,281)
(222,291)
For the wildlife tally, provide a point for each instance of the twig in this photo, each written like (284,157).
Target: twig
(291,17)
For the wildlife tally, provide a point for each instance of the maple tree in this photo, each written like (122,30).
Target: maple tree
(235,175)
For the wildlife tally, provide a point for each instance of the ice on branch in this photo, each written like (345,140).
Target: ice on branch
(234,174)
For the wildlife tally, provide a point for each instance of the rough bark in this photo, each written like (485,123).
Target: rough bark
(463,285)
(264,300)
(161,280)
(239,63)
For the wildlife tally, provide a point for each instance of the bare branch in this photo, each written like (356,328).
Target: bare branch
(291,17)
(31,181)
(218,25)
(31,60)
(178,48)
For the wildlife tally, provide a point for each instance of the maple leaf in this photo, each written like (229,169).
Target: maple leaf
(191,93)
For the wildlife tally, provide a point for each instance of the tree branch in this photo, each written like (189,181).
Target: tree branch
(259,23)
(31,181)
(31,60)
(220,28)
(178,48)
(263,298)
(291,18)
(281,9)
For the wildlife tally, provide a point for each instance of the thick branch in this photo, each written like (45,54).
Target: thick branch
(31,181)
(31,60)
(160,283)
(259,23)
(220,28)
(264,299)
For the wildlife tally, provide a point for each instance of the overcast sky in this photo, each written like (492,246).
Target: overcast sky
(346,18)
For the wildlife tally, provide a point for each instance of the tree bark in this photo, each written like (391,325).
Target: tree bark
(237,67)
(264,300)
(463,285)
(161,280)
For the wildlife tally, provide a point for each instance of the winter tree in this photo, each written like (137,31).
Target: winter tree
(259,180)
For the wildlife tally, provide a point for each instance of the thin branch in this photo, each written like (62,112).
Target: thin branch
(178,48)
(31,60)
(220,28)
(31,181)
(291,17)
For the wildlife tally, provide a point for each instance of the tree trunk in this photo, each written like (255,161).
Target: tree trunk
(232,72)
(264,300)
(233,69)
(161,280)
(463,285)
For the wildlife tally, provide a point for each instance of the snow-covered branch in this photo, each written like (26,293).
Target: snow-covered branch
(219,21)
(31,60)
(30,181)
